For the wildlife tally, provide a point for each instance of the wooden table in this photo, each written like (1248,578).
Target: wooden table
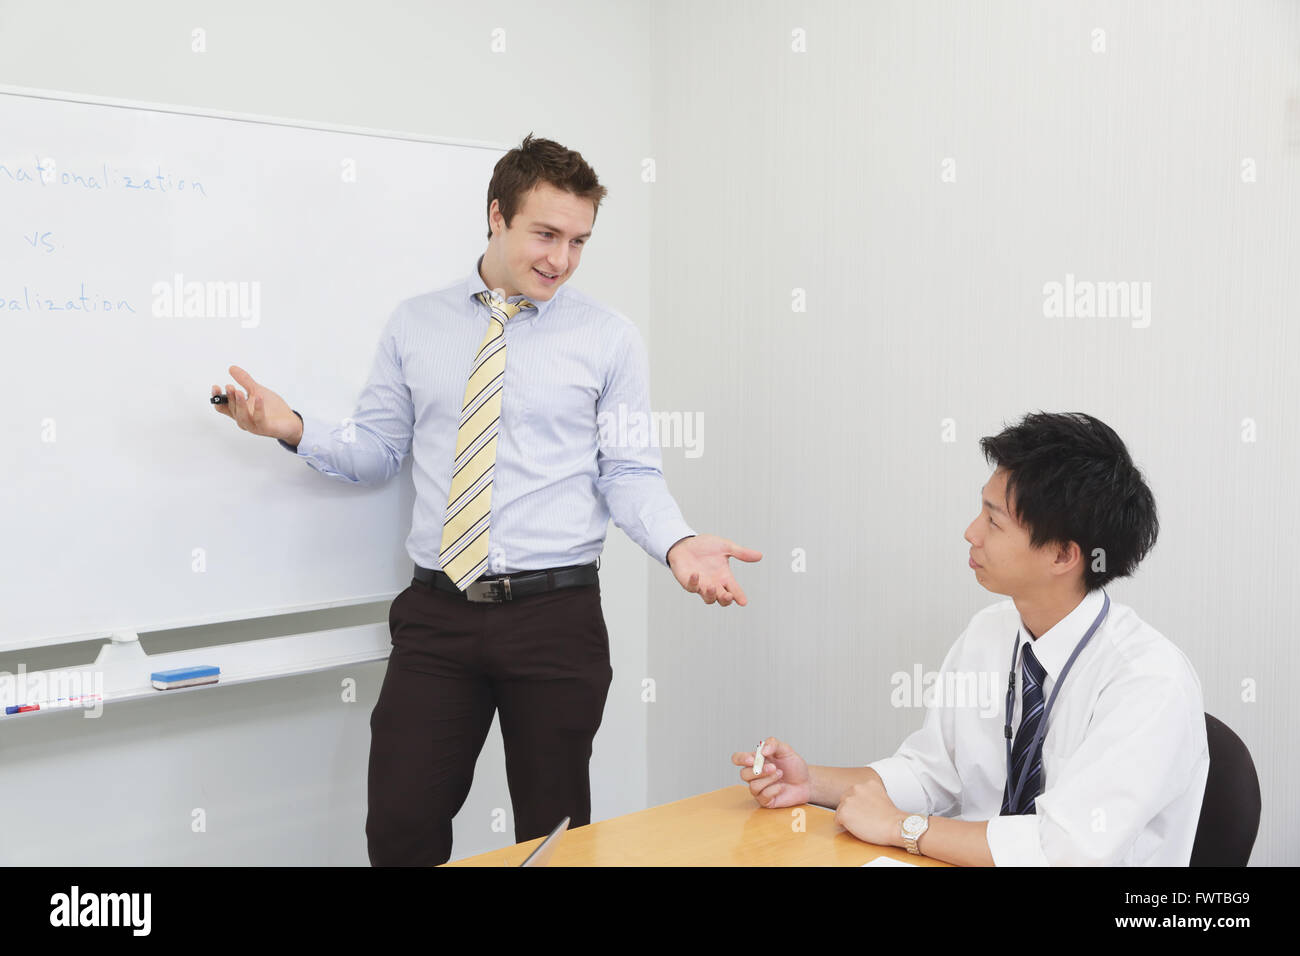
(722,828)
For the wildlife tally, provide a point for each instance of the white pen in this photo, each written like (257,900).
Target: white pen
(758,759)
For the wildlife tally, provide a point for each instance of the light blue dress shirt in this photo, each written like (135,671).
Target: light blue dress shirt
(556,484)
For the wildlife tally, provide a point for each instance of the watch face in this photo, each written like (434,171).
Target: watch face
(914,823)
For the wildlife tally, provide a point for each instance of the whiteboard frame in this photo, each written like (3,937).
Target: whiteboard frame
(243,117)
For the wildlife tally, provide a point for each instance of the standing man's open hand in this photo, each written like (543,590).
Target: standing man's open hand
(260,411)
(700,565)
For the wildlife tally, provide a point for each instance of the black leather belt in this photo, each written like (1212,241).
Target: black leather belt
(495,588)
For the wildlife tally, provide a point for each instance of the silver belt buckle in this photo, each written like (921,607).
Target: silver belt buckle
(491,592)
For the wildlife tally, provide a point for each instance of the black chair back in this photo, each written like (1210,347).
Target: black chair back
(1229,822)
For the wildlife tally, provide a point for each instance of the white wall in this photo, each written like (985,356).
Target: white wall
(280,767)
(821,171)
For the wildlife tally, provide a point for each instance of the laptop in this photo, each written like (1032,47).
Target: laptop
(542,855)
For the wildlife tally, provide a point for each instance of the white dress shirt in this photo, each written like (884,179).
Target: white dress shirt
(1124,757)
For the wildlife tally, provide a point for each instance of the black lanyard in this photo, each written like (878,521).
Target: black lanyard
(1042,724)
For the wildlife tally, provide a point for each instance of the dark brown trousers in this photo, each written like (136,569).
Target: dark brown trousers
(542,661)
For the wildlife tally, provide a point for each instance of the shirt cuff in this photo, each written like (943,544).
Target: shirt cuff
(662,540)
(902,786)
(315,438)
(1015,841)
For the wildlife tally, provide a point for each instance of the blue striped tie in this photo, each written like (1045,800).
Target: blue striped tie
(1032,714)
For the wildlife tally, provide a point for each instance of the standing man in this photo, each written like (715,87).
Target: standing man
(496,386)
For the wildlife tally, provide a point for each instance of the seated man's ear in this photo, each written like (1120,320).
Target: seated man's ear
(1067,556)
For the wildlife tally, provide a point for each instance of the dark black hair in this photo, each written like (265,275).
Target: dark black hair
(1070,478)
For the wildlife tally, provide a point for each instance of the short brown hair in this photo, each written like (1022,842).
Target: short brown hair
(540,161)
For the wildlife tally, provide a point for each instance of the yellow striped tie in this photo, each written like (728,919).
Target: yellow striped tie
(464,550)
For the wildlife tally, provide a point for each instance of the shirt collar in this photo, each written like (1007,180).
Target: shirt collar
(1054,648)
(474,284)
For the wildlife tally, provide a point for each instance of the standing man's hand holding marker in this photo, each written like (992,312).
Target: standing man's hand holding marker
(261,411)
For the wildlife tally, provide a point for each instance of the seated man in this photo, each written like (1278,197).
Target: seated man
(1109,762)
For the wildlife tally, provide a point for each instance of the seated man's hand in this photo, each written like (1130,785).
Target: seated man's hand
(867,812)
(784,780)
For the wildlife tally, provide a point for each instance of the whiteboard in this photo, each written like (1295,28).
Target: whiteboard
(127,502)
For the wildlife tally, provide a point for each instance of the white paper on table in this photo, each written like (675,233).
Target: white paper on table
(887,861)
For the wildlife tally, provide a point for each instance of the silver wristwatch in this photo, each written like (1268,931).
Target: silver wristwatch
(913,827)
